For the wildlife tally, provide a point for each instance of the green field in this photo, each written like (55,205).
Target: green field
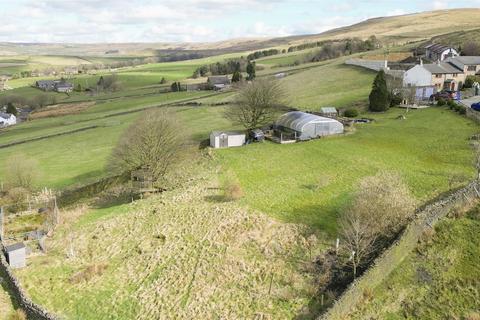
(438,281)
(282,180)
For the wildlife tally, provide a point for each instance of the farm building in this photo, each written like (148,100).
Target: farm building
(226,139)
(16,255)
(307,126)
(439,52)
(329,112)
(218,82)
(7,119)
(54,85)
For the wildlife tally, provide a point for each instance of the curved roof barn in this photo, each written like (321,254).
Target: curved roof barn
(308,125)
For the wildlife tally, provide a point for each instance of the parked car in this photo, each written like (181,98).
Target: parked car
(476,106)
(257,135)
(445,95)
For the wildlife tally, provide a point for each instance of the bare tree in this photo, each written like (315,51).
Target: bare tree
(257,103)
(21,172)
(156,142)
(380,209)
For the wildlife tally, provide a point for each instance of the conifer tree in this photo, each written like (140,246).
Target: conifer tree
(379,97)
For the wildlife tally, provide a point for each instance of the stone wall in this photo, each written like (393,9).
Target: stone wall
(32,310)
(400,249)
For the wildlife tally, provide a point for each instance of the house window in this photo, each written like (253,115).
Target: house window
(438,76)
(472,68)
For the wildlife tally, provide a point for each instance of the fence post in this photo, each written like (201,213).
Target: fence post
(1,224)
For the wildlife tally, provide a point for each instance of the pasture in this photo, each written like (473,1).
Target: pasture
(310,182)
(437,281)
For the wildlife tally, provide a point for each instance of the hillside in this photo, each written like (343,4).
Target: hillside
(404,28)
(400,29)
(440,280)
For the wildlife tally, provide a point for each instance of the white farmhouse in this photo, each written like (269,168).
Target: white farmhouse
(443,76)
(7,119)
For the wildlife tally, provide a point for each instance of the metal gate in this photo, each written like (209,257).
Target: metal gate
(223,141)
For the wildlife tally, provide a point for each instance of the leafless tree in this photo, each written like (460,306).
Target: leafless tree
(21,172)
(156,142)
(257,103)
(380,209)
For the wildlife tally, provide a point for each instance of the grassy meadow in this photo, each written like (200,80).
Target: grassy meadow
(310,182)
(440,280)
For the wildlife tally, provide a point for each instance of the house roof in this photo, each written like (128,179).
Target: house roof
(64,85)
(464,60)
(328,110)
(230,133)
(441,68)
(14,247)
(47,82)
(218,80)
(438,48)
(296,120)
(5,115)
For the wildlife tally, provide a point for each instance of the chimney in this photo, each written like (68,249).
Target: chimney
(421,61)
(438,61)
(386,64)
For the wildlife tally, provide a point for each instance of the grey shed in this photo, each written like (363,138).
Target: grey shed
(16,255)
(308,126)
(329,112)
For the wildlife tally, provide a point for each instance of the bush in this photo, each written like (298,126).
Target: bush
(232,190)
(21,171)
(18,314)
(17,199)
(452,104)
(441,102)
(351,113)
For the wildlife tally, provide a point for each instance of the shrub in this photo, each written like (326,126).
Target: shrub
(232,190)
(462,109)
(441,102)
(351,113)
(21,171)
(18,314)
(452,104)
(17,198)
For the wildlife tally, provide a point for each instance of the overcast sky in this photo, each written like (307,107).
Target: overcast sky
(87,21)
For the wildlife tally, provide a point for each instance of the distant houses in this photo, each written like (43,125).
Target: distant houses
(54,85)
(7,119)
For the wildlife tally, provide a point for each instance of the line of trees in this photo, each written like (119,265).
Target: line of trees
(220,68)
(39,101)
(263,53)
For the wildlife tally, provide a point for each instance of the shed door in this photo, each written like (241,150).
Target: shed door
(223,141)
(321,129)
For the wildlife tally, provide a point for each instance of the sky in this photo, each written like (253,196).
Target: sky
(113,21)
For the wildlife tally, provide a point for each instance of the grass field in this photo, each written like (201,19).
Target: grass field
(439,281)
(282,180)
(80,157)
(184,255)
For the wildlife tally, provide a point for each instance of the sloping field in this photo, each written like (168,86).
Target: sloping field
(404,28)
(438,281)
(310,182)
(182,255)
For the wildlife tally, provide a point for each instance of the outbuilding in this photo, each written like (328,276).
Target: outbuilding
(227,139)
(16,255)
(307,126)
(7,119)
(329,112)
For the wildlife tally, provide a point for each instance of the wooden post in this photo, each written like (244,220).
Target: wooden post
(1,224)
(337,245)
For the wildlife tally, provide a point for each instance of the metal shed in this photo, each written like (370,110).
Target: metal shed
(329,112)
(16,255)
(308,126)
(227,139)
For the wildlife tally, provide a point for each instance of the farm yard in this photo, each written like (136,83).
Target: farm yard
(190,251)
